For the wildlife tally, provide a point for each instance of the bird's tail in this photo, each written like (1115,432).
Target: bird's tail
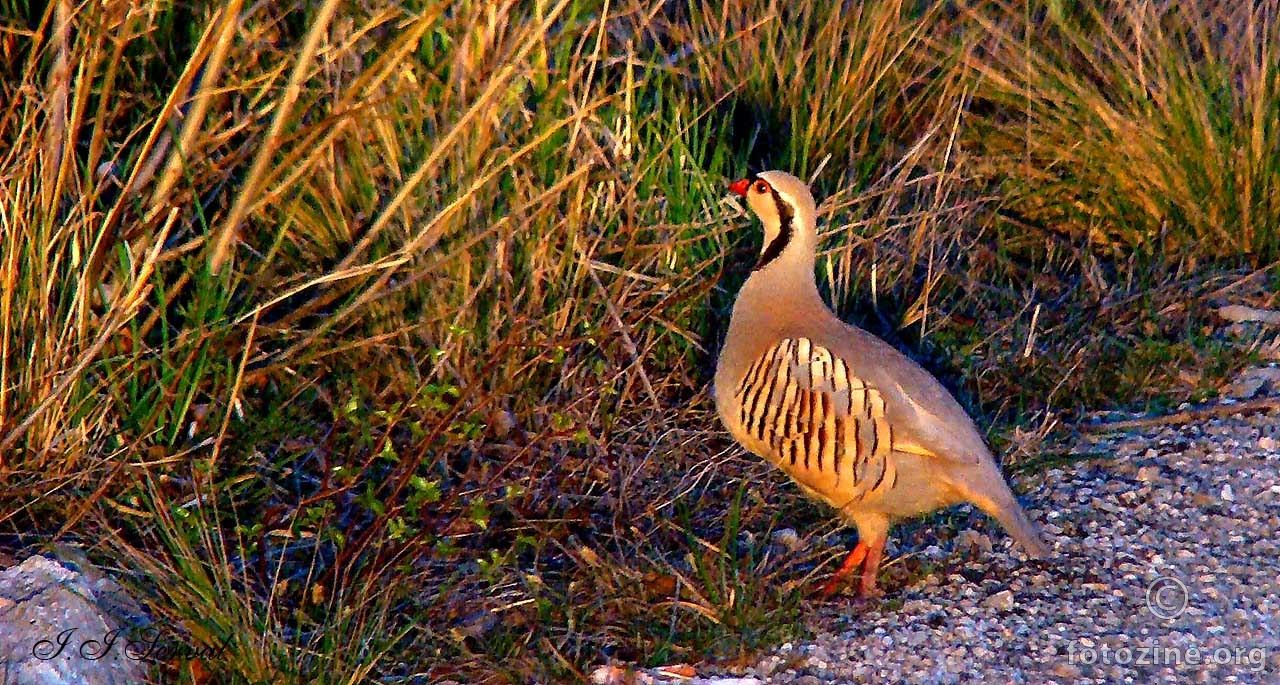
(1005,509)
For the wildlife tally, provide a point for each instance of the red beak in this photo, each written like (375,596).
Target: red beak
(740,187)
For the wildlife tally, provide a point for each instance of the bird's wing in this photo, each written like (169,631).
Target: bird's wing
(925,417)
(944,432)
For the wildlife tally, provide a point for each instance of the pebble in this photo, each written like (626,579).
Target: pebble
(1119,525)
(1002,601)
(1067,670)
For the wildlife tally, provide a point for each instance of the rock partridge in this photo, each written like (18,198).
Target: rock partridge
(854,422)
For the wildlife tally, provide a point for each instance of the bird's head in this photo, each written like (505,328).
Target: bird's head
(785,207)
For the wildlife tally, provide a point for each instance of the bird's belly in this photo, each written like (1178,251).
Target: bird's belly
(919,489)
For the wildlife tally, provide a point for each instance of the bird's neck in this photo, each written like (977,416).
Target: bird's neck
(785,285)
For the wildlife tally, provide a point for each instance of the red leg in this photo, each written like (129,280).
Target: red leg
(854,560)
(871,568)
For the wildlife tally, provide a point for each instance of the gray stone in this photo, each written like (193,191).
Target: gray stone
(56,631)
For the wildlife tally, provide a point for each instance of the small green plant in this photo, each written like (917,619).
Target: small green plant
(737,589)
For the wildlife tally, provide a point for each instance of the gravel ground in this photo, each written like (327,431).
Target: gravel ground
(1166,570)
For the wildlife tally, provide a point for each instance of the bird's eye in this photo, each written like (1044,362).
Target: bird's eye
(762,187)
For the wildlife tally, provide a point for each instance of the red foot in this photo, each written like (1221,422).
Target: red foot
(865,556)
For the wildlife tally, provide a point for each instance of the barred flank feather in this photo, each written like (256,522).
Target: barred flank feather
(800,400)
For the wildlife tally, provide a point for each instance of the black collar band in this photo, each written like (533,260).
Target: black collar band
(779,243)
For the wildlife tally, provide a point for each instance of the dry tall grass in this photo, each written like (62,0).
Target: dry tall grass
(1139,126)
